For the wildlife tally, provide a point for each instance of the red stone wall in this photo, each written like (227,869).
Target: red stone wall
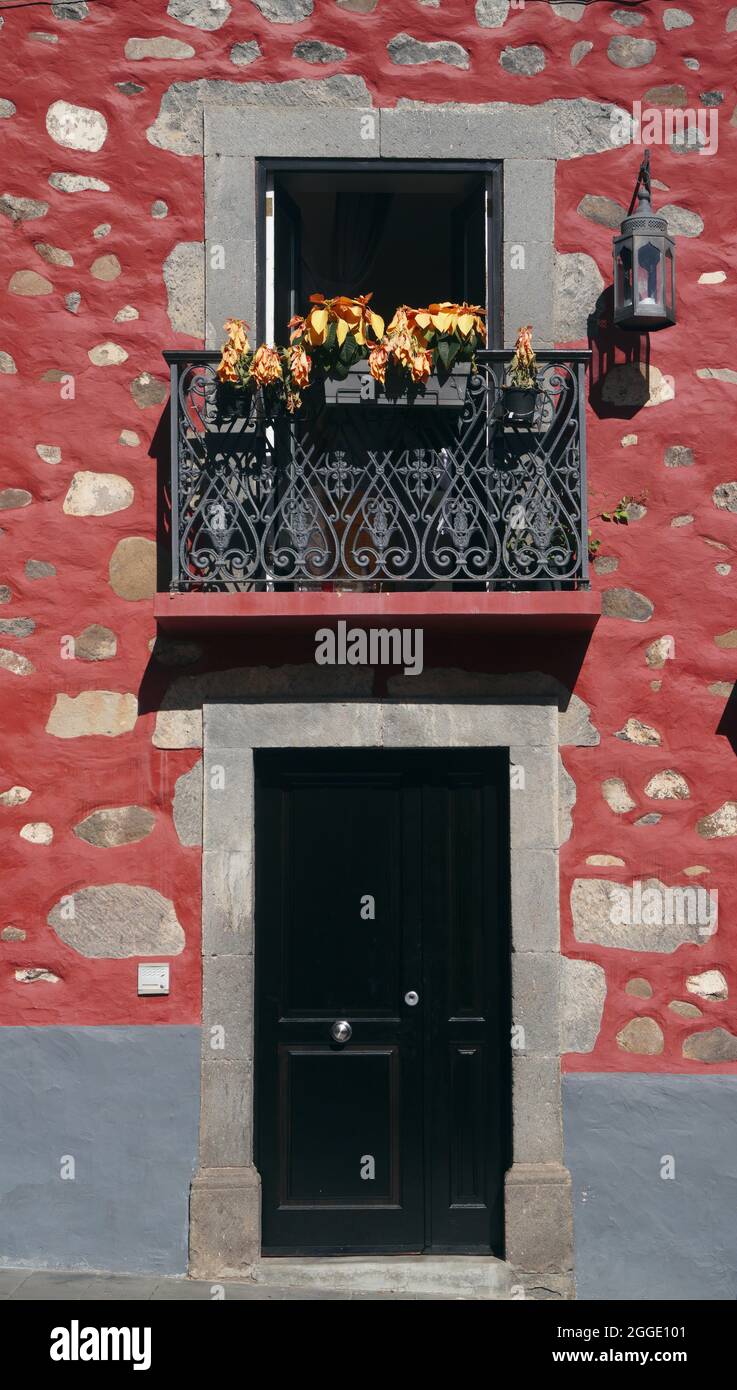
(76,374)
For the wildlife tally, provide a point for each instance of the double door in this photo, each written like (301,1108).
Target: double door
(382,1030)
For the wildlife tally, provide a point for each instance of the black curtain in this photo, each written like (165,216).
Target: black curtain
(343,264)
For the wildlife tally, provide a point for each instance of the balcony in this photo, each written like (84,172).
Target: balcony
(415,512)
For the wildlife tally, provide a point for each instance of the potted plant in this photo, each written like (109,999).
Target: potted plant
(337,335)
(425,356)
(278,373)
(522,389)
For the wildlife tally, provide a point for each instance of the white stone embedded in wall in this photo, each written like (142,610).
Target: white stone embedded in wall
(115,920)
(646,915)
(200,14)
(37,832)
(76,127)
(710,984)
(107,355)
(93,712)
(184,277)
(97,494)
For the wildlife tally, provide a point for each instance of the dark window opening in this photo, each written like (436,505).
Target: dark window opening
(408,236)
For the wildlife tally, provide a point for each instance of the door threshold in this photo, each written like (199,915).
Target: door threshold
(446,1276)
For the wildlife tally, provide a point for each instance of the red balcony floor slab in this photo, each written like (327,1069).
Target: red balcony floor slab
(549,611)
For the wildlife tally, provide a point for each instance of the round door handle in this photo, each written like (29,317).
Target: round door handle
(411,997)
(341,1030)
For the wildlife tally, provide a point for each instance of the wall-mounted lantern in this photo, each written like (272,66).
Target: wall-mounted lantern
(644,265)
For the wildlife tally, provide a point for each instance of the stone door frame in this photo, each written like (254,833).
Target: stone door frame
(225,1222)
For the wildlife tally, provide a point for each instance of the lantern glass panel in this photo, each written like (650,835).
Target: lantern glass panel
(669,280)
(624,275)
(649,275)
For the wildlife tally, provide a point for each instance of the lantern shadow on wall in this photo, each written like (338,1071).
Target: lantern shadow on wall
(727,725)
(640,301)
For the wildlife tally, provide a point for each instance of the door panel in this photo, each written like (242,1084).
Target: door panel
(378,873)
(467,1025)
(340,1117)
(347,963)
(467,1085)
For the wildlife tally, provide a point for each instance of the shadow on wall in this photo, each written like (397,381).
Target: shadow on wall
(727,725)
(159,451)
(620,367)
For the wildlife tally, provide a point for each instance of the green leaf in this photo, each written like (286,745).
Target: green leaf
(454,348)
(444,353)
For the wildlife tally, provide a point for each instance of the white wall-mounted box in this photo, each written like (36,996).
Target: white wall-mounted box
(153,979)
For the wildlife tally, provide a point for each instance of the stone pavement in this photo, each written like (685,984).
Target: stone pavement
(61,1286)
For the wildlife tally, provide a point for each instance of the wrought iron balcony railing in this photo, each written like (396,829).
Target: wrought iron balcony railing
(379,498)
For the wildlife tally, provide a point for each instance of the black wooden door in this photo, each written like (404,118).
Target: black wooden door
(381,905)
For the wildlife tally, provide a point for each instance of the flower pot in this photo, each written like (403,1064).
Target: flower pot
(520,403)
(360,388)
(233,402)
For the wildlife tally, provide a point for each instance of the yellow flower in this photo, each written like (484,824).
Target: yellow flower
(471,320)
(448,318)
(350,316)
(266,366)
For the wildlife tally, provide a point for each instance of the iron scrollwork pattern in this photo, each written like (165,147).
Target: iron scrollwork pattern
(380,497)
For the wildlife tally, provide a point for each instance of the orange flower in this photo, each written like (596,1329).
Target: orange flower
(299,365)
(237,335)
(235,347)
(266,366)
(226,370)
(420,365)
(297,326)
(377,360)
(523,345)
(400,341)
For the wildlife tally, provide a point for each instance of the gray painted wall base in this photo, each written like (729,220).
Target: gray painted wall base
(123,1103)
(638,1234)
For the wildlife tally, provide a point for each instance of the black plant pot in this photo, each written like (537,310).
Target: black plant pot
(241,405)
(520,403)
(233,402)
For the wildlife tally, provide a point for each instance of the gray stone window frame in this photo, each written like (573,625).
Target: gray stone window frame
(225,1218)
(521,138)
